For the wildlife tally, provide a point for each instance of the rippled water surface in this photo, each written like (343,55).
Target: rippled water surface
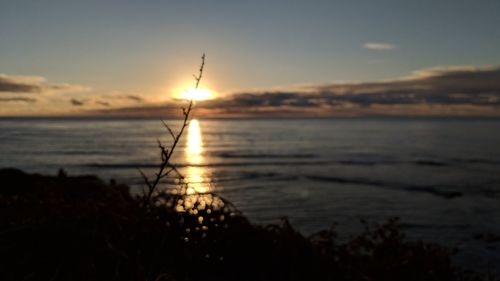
(440,176)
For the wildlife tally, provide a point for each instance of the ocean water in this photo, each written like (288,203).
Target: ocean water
(441,177)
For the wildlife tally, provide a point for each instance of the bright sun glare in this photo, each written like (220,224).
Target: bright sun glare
(196,94)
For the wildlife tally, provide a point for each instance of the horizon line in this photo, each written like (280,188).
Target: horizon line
(271,117)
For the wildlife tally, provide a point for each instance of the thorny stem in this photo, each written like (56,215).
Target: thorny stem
(166,154)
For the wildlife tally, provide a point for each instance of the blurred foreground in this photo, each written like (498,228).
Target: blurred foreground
(80,228)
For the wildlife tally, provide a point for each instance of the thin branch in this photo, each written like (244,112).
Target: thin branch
(169,130)
(198,79)
(179,174)
(145,177)
(167,173)
(146,180)
(166,154)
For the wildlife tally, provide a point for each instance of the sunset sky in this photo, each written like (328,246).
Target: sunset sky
(264,58)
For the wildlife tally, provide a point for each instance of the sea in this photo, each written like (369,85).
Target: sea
(440,176)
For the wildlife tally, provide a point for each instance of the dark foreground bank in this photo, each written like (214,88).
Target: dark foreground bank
(80,228)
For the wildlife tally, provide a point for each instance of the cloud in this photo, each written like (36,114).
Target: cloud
(447,88)
(264,99)
(35,85)
(163,110)
(116,99)
(103,103)
(18,99)
(134,98)
(379,46)
(463,90)
(19,84)
(76,102)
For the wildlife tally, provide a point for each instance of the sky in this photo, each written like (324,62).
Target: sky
(263,58)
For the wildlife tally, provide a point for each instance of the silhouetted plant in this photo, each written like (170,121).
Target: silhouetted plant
(166,167)
(79,228)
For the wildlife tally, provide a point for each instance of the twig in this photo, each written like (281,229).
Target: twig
(166,154)
(169,130)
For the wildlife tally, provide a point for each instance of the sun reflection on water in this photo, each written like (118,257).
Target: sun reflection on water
(196,175)
(201,212)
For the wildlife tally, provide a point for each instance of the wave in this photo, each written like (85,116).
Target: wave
(434,226)
(265,155)
(226,164)
(420,162)
(448,194)
(346,180)
(456,161)
(88,152)
(433,163)
(429,163)
(476,161)
(365,162)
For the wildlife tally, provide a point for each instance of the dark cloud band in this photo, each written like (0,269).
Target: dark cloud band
(465,90)
(454,86)
(18,99)
(76,102)
(34,84)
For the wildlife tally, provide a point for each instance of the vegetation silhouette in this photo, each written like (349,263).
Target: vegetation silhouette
(166,167)
(80,228)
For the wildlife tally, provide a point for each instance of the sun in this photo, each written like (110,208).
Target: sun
(196,94)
